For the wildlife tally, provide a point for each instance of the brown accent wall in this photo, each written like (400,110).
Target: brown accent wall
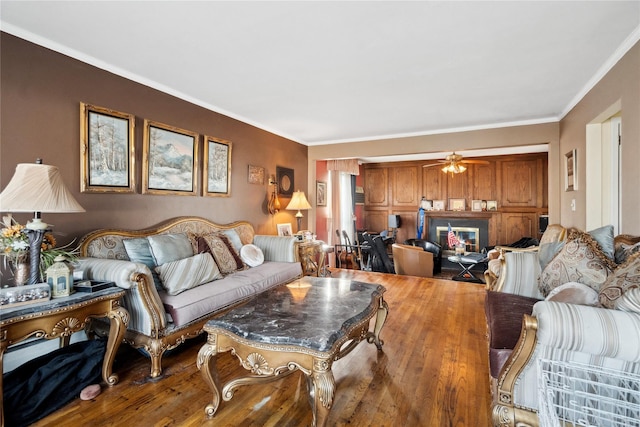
(41,93)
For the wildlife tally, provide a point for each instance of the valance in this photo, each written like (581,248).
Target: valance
(344,165)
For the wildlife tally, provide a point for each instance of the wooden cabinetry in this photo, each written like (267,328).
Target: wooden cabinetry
(518,183)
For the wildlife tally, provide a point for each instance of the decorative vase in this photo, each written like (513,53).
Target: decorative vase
(20,271)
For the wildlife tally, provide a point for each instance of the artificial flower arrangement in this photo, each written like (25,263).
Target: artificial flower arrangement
(14,246)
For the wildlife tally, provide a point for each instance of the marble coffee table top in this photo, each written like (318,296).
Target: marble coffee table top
(310,312)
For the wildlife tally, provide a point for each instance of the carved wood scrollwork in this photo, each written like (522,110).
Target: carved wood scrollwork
(257,364)
(65,327)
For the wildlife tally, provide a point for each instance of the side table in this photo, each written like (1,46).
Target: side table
(313,257)
(60,318)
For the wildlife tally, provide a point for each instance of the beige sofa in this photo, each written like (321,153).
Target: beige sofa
(583,329)
(162,316)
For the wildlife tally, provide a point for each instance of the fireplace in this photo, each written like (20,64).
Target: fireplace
(474,232)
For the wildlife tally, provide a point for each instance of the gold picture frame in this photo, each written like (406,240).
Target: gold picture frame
(107,150)
(169,160)
(457,204)
(216,180)
(321,193)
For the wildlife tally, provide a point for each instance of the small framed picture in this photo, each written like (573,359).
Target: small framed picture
(427,205)
(492,205)
(571,171)
(284,177)
(438,205)
(321,193)
(457,204)
(476,205)
(256,175)
(284,229)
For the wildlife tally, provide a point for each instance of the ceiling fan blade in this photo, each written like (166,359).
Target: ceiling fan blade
(480,162)
(435,164)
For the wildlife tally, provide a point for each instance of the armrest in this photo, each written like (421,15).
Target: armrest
(564,332)
(114,270)
(592,330)
(145,308)
(519,274)
(277,248)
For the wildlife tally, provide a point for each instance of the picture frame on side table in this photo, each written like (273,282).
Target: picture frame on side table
(571,171)
(457,204)
(284,229)
(169,160)
(217,167)
(107,150)
(438,205)
(321,193)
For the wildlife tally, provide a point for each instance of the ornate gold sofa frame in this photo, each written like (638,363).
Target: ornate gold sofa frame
(150,328)
(570,333)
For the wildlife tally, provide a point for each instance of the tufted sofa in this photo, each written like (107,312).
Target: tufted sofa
(576,306)
(164,311)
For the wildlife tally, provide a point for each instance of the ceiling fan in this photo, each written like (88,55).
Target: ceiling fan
(454,163)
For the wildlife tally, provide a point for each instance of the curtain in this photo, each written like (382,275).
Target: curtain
(350,166)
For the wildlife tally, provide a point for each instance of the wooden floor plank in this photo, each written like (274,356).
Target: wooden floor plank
(433,371)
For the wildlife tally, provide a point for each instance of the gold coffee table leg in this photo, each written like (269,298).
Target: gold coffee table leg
(381,317)
(206,363)
(322,389)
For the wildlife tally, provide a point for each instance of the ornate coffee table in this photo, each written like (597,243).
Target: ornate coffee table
(305,325)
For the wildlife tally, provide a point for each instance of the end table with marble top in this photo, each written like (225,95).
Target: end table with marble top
(305,325)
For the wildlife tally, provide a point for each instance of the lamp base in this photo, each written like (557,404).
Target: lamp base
(35,243)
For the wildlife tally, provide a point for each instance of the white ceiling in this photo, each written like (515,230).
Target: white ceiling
(327,72)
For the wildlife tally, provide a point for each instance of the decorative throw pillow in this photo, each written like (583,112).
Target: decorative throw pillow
(221,253)
(138,250)
(624,251)
(234,238)
(580,260)
(604,237)
(574,293)
(547,252)
(251,255)
(170,247)
(624,279)
(178,276)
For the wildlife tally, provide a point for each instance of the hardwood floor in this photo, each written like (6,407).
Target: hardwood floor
(433,371)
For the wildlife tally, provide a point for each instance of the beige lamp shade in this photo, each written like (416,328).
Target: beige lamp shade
(298,202)
(37,188)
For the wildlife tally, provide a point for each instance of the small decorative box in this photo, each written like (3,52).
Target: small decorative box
(91,285)
(21,295)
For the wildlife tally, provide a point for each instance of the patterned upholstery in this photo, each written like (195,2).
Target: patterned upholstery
(150,327)
(574,333)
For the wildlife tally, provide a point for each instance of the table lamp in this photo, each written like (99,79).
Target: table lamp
(298,201)
(37,188)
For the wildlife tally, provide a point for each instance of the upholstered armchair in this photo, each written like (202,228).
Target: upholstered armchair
(432,247)
(412,260)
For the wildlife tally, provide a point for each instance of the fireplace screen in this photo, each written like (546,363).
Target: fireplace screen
(469,235)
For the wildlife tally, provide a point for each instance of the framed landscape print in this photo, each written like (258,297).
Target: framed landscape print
(106,150)
(457,204)
(169,160)
(217,167)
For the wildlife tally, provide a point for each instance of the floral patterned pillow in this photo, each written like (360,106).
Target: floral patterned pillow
(621,284)
(580,260)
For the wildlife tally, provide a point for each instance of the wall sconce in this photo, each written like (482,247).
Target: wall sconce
(273,206)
